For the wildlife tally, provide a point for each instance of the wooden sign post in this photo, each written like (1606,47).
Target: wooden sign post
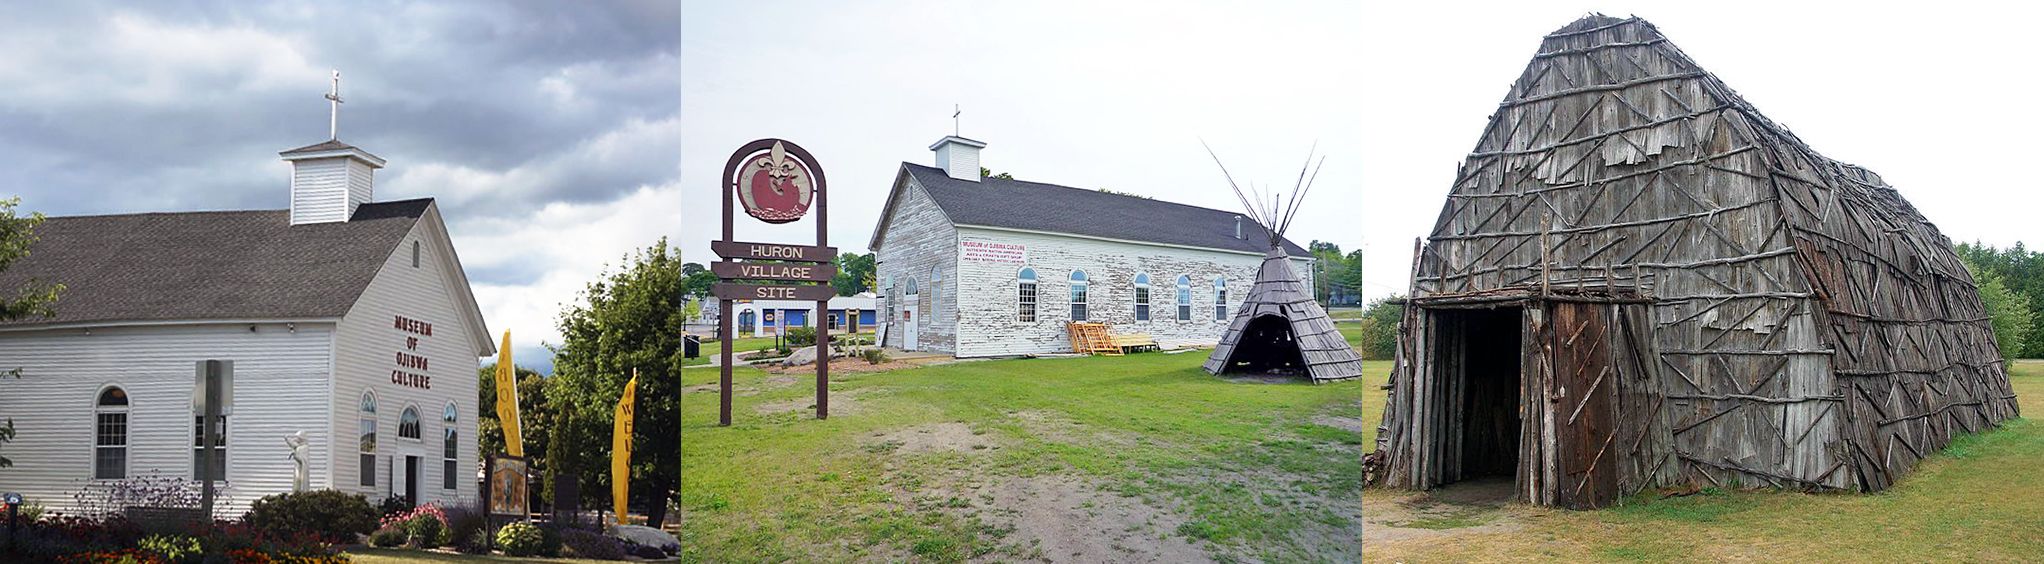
(775,181)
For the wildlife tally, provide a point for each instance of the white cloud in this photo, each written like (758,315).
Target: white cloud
(570,244)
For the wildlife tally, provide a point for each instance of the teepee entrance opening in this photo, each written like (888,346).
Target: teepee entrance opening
(1267,346)
(1477,362)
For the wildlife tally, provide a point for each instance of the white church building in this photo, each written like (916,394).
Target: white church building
(345,318)
(983,266)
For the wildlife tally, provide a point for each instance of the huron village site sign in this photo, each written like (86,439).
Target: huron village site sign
(776,182)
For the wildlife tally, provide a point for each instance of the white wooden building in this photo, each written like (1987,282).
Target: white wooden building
(345,318)
(981,267)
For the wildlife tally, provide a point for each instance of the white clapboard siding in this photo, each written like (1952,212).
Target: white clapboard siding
(367,346)
(320,189)
(915,240)
(988,323)
(280,386)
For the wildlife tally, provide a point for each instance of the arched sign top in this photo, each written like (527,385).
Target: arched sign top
(775,181)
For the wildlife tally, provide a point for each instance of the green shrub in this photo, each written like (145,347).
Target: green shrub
(334,515)
(171,547)
(800,336)
(519,539)
(550,541)
(388,537)
(875,356)
(477,542)
(426,530)
(465,525)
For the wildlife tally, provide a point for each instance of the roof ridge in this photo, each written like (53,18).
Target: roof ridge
(983,179)
(140,214)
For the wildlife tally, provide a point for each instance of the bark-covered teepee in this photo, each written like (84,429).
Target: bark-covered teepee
(1278,327)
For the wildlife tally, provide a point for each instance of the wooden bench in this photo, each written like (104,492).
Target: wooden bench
(1134,343)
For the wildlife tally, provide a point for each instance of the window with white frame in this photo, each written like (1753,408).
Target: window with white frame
(408,423)
(368,444)
(450,448)
(1025,295)
(110,434)
(1143,296)
(1184,298)
(218,466)
(1220,299)
(1078,287)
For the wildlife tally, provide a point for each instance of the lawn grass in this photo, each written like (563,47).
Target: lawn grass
(712,346)
(1979,500)
(780,485)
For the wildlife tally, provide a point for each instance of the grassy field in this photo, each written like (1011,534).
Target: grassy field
(1979,500)
(1069,459)
(712,346)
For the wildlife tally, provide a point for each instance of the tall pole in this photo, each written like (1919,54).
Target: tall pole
(823,305)
(724,314)
(209,433)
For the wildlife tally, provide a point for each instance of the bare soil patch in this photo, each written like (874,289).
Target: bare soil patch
(1058,428)
(1476,506)
(1065,519)
(952,436)
(841,403)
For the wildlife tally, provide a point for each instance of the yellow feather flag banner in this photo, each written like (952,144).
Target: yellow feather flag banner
(621,448)
(507,400)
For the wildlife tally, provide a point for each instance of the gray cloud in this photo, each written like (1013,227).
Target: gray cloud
(507,111)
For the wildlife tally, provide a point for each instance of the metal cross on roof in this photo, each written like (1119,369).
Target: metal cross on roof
(954,119)
(333,127)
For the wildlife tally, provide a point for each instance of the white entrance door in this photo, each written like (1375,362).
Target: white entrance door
(908,324)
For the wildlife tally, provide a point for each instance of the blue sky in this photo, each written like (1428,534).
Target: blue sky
(547,130)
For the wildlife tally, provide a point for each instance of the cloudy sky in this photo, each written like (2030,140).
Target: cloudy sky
(1939,99)
(1094,95)
(547,130)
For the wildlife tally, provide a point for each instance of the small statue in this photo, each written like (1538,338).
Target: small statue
(301,454)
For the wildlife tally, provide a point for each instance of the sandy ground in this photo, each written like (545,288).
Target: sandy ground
(1466,507)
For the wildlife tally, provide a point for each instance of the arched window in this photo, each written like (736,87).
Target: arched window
(911,301)
(1078,295)
(110,434)
(450,449)
(368,444)
(1220,299)
(1184,298)
(936,293)
(408,423)
(1025,295)
(1142,296)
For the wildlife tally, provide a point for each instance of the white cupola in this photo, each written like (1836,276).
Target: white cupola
(330,179)
(958,156)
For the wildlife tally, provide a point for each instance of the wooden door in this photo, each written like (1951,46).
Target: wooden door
(1582,388)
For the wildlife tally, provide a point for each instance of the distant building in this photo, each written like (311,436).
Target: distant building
(766,318)
(982,267)
(345,318)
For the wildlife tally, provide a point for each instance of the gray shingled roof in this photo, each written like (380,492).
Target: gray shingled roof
(1018,204)
(210,265)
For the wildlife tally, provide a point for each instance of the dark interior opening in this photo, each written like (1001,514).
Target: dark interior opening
(1481,374)
(1266,346)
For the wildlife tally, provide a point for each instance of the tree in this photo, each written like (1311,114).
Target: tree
(696,280)
(2008,312)
(532,410)
(984,173)
(17,233)
(2021,271)
(1380,328)
(691,311)
(628,320)
(854,273)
